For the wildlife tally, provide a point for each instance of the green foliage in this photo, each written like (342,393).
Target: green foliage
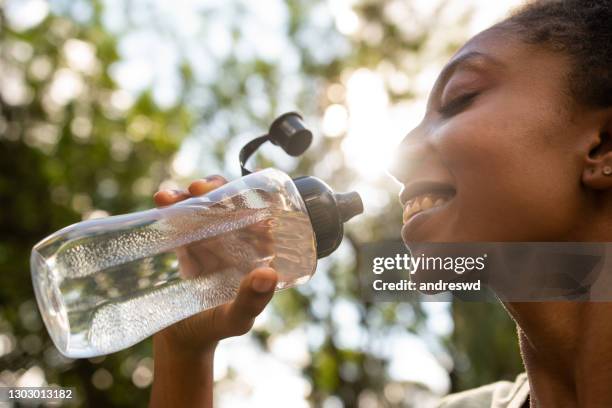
(60,161)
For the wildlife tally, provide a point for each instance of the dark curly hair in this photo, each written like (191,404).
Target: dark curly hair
(582,29)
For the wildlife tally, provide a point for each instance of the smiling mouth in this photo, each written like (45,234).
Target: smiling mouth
(422,197)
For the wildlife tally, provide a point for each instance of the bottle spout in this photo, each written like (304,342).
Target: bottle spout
(328,211)
(349,205)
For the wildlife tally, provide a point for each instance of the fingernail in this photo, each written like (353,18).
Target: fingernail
(215,178)
(262,285)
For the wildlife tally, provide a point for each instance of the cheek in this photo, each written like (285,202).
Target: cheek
(514,178)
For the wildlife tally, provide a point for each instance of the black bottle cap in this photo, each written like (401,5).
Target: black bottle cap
(328,211)
(289,132)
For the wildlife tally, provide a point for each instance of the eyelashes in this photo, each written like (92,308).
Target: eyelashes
(457,104)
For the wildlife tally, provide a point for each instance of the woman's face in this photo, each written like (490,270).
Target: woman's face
(498,150)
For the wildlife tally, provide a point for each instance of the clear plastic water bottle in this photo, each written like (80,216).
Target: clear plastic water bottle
(103,285)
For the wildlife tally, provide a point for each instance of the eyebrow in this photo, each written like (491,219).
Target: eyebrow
(465,59)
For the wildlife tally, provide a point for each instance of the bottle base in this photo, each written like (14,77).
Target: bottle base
(50,302)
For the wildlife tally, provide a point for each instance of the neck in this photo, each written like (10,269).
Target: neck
(567,352)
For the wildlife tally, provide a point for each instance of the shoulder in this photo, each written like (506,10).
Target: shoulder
(501,394)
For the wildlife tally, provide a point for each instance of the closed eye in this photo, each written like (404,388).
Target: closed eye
(457,104)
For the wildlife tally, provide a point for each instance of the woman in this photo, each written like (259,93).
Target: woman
(517,142)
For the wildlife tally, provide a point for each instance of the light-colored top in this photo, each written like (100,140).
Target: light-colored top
(502,394)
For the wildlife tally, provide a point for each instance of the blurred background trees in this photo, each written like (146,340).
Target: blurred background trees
(103,102)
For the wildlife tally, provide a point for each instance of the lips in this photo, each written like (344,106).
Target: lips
(424,196)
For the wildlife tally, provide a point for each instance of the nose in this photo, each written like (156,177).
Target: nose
(413,157)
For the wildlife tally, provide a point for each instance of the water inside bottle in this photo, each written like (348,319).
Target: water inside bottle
(105,289)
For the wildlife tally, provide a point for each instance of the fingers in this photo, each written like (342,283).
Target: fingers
(256,290)
(167,197)
(198,187)
(207,184)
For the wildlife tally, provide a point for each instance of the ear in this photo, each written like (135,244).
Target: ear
(597,173)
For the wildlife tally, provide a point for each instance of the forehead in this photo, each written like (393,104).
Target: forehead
(518,58)
(493,40)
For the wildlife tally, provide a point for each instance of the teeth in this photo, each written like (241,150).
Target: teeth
(426,204)
(421,203)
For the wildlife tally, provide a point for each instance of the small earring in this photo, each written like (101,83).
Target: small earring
(607,171)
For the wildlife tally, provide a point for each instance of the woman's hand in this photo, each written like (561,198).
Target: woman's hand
(184,351)
(232,319)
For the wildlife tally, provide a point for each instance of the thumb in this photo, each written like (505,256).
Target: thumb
(256,290)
